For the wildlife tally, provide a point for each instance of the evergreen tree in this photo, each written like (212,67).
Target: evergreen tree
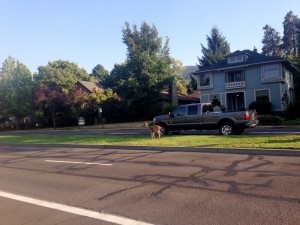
(217,48)
(290,34)
(272,44)
(99,72)
(146,71)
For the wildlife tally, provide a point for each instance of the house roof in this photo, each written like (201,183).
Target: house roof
(90,86)
(165,95)
(254,58)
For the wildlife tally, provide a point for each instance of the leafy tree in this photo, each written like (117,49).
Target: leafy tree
(16,87)
(217,48)
(99,72)
(146,70)
(272,44)
(290,34)
(50,96)
(64,74)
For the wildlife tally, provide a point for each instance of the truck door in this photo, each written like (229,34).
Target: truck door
(209,117)
(177,117)
(193,118)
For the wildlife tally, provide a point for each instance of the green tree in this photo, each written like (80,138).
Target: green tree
(99,72)
(217,48)
(290,34)
(146,70)
(64,74)
(272,44)
(54,82)
(16,86)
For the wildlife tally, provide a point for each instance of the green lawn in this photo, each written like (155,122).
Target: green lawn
(239,141)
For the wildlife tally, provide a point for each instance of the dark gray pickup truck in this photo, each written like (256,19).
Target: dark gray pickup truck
(202,116)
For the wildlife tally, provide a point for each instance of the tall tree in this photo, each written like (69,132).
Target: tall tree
(217,48)
(16,87)
(99,72)
(272,44)
(146,70)
(290,34)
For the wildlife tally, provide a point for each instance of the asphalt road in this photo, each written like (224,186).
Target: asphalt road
(151,187)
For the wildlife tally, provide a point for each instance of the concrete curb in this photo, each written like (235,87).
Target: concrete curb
(274,152)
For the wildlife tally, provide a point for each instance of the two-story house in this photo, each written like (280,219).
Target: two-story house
(247,76)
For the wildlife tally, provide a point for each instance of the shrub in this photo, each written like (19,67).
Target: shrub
(293,111)
(269,120)
(261,107)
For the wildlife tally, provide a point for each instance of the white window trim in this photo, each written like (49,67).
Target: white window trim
(236,59)
(210,86)
(276,79)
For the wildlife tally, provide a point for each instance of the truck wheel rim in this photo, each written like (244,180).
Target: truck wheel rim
(226,130)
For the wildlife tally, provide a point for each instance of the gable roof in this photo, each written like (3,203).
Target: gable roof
(254,58)
(195,97)
(90,86)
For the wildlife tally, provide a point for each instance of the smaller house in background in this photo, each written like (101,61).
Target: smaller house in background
(182,99)
(89,87)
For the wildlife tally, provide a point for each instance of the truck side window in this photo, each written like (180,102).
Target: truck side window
(193,110)
(178,111)
(207,108)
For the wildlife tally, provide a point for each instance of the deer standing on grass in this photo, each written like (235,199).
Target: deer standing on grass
(154,129)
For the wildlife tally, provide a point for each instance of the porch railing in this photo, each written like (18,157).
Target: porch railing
(237,84)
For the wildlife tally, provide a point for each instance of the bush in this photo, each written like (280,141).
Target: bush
(293,111)
(261,107)
(268,120)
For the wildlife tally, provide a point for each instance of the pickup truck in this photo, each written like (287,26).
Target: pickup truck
(203,116)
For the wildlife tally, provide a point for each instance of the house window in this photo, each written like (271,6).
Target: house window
(262,95)
(235,59)
(271,72)
(205,80)
(235,76)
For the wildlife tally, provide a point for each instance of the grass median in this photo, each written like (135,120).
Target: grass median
(239,141)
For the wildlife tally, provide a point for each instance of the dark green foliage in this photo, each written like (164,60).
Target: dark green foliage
(98,73)
(293,111)
(271,42)
(217,48)
(290,34)
(269,120)
(261,107)
(146,71)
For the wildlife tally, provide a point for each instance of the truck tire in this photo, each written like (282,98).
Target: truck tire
(226,128)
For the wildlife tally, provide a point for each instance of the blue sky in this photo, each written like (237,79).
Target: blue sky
(89,32)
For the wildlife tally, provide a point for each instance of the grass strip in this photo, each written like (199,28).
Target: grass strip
(240,141)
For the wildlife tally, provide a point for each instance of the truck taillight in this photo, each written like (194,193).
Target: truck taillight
(246,116)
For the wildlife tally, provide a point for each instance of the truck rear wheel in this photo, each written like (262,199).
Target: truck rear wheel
(226,128)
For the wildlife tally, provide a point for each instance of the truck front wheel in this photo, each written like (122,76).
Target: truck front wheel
(226,128)
(164,129)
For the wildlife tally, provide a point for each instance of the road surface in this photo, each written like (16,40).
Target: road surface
(59,185)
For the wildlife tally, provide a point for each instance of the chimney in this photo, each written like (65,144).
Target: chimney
(174,95)
(255,49)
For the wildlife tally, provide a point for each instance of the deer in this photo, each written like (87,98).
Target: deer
(154,129)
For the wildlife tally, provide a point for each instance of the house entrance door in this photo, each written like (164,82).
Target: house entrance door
(235,101)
